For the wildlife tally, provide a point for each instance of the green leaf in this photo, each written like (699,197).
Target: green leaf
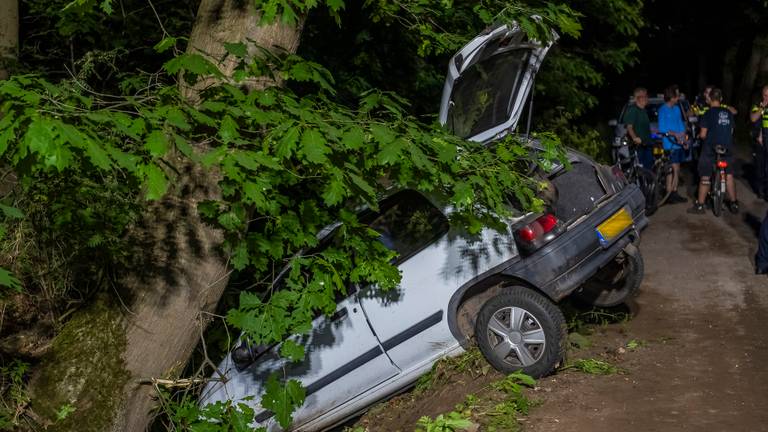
(11,212)
(335,5)
(6,137)
(362,184)
(240,257)
(390,153)
(157,143)
(292,351)
(287,143)
(335,190)
(176,117)
(165,44)
(353,138)
(214,156)
(383,134)
(183,145)
(106,6)
(236,49)
(7,280)
(155,181)
(314,147)
(228,130)
(283,399)
(195,64)
(230,221)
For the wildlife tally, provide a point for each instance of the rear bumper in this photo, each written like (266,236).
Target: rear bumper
(563,265)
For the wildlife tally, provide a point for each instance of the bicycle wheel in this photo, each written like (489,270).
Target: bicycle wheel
(718,196)
(646,180)
(661,184)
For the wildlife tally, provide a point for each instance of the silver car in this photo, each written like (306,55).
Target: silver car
(499,289)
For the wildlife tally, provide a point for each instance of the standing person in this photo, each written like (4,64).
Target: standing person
(671,122)
(639,127)
(701,105)
(759,117)
(716,130)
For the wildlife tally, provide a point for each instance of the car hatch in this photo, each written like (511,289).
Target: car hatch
(488,82)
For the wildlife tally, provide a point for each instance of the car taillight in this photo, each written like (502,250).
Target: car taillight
(618,173)
(722,164)
(538,232)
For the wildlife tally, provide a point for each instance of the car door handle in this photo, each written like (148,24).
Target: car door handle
(339,315)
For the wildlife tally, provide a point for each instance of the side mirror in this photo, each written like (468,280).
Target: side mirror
(613,123)
(693,119)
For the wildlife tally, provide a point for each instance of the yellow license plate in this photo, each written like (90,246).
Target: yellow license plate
(614,226)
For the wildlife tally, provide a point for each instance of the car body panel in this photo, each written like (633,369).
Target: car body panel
(414,325)
(342,359)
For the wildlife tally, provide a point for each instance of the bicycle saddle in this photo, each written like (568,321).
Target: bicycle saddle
(720,150)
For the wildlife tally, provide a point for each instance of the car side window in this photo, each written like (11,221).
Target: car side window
(407,223)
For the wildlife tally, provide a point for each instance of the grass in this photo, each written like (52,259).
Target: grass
(594,367)
(471,362)
(497,408)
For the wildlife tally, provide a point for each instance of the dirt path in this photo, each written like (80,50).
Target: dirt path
(701,317)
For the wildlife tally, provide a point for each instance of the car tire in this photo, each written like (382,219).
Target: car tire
(615,283)
(527,326)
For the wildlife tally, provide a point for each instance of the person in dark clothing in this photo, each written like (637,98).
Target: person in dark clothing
(716,130)
(761,259)
(639,127)
(759,117)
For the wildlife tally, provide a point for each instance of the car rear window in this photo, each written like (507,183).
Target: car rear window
(482,98)
(407,223)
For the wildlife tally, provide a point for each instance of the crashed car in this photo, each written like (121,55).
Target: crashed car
(499,289)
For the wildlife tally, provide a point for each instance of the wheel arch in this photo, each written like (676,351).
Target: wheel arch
(470,297)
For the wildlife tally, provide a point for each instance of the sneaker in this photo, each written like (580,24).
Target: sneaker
(675,198)
(733,206)
(697,208)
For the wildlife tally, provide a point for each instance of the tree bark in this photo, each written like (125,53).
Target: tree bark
(165,327)
(751,70)
(9,35)
(178,269)
(729,65)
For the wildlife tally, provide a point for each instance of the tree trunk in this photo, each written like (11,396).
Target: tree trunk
(729,65)
(9,35)
(178,269)
(751,70)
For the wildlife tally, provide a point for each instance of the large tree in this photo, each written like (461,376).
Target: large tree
(178,272)
(9,34)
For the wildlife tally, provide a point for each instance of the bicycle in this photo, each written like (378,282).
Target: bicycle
(662,166)
(626,158)
(718,190)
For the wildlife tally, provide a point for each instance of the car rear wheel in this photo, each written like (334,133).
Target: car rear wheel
(520,330)
(615,283)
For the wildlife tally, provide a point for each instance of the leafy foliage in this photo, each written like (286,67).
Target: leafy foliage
(451,422)
(88,152)
(289,166)
(187,414)
(14,396)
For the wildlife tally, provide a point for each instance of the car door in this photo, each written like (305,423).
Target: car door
(411,321)
(342,360)
(488,82)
